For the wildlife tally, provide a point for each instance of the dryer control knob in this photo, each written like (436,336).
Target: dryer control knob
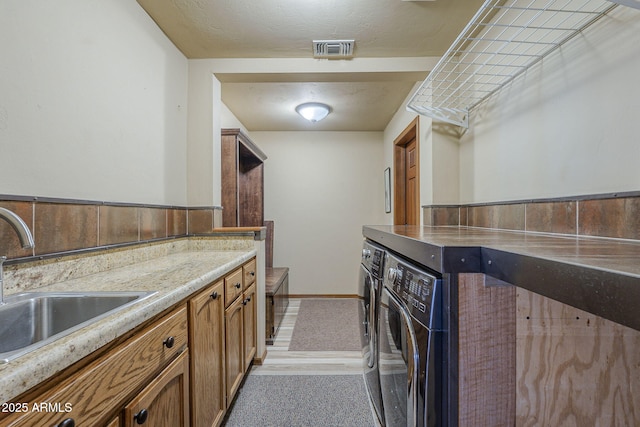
(366,253)
(392,273)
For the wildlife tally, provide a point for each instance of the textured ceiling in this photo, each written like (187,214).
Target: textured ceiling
(362,99)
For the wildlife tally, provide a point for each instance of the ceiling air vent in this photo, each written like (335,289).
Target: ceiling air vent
(336,49)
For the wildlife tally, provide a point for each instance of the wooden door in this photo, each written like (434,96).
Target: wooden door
(250,326)
(206,343)
(165,401)
(406,162)
(411,184)
(234,348)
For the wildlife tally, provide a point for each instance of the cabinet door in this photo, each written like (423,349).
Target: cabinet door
(206,345)
(250,325)
(249,271)
(165,401)
(101,387)
(233,286)
(234,348)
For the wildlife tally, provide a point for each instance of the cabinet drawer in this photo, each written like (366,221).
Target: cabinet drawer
(99,389)
(232,286)
(249,270)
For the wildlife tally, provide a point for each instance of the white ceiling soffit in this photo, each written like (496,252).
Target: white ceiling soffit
(631,3)
(502,40)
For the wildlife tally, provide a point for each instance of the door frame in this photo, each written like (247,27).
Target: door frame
(412,131)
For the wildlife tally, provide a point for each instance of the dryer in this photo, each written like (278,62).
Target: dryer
(370,286)
(412,354)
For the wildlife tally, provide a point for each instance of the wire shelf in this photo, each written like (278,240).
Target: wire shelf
(503,40)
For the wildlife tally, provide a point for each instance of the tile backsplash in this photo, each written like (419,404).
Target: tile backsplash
(61,226)
(610,216)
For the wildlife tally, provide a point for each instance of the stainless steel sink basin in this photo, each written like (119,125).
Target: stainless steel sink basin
(33,319)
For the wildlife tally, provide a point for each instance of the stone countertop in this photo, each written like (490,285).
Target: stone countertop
(600,276)
(174,276)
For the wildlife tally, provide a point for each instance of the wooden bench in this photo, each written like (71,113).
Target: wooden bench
(276,289)
(277,301)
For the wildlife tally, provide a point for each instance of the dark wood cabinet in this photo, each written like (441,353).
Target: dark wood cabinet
(277,300)
(242,168)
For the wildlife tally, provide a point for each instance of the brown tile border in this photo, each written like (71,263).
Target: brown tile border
(66,226)
(603,215)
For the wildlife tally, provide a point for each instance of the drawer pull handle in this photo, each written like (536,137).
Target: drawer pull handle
(141,416)
(237,285)
(214,295)
(246,300)
(69,422)
(169,342)
(253,273)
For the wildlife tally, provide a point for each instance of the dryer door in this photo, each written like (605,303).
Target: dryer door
(367,290)
(398,363)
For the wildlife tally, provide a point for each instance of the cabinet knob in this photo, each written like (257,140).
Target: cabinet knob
(238,285)
(169,342)
(141,416)
(69,422)
(252,273)
(214,295)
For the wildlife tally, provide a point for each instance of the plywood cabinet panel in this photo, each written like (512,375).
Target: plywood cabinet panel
(574,368)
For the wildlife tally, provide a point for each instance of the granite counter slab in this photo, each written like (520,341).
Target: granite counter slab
(601,276)
(174,277)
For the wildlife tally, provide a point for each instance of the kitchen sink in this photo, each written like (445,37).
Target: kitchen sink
(32,319)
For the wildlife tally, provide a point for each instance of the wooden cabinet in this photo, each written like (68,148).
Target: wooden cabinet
(249,326)
(165,401)
(233,286)
(182,369)
(234,348)
(250,331)
(206,345)
(242,178)
(240,325)
(99,391)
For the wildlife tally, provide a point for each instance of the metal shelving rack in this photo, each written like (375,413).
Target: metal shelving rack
(503,40)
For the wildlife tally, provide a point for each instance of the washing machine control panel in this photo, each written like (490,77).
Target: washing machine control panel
(373,258)
(417,288)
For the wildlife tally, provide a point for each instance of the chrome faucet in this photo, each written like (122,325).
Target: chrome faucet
(25,236)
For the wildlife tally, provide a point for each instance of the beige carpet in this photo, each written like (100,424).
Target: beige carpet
(330,324)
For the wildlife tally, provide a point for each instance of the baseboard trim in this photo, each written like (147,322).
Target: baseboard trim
(260,360)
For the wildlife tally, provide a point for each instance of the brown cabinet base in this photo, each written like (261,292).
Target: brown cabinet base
(277,300)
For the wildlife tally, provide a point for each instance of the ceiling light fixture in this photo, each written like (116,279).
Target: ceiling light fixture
(313,111)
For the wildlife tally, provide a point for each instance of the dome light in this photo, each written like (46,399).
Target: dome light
(313,111)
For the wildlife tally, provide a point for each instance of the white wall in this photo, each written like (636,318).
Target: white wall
(93,104)
(320,189)
(569,127)
(439,154)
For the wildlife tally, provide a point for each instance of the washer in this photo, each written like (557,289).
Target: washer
(411,356)
(370,286)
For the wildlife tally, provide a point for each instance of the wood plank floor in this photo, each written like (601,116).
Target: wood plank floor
(281,361)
